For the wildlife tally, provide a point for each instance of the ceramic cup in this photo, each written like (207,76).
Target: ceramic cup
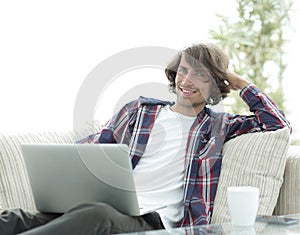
(243,204)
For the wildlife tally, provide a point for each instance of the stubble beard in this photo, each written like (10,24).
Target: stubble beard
(191,105)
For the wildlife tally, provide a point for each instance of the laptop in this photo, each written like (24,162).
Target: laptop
(65,175)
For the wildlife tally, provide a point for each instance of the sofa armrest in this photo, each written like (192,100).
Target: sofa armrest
(288,201)
(15,190)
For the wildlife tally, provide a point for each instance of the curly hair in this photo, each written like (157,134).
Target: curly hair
(212,59)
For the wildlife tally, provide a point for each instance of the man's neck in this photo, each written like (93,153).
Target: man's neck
(187,111)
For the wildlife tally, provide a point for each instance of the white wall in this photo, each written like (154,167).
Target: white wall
(48,48)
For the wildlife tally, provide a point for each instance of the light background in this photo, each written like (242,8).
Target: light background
(48,48)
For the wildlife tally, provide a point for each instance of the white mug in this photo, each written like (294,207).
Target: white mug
(243,204)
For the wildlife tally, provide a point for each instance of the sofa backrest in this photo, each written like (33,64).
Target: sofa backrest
(289,196)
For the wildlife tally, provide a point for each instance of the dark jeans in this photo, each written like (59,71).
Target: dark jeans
(87,219)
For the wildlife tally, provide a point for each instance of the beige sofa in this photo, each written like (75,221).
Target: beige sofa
(15,188)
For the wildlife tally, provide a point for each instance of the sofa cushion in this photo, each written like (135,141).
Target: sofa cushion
(15,190)
(256,159)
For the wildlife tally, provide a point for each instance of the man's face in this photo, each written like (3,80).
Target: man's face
(193,85)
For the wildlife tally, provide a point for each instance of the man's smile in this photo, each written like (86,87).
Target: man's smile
(187,91)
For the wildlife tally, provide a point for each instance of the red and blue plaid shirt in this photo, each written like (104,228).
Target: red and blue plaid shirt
(133,123)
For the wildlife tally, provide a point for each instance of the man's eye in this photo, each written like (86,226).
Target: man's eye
(181,70)
(200,74)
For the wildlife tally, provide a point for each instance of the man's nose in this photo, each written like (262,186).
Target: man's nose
(188,77)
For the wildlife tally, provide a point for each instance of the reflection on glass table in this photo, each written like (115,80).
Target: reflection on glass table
(260,228)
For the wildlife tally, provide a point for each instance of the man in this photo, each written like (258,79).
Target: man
(176,150)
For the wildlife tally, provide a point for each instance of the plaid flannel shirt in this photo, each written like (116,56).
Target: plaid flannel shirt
(132,126)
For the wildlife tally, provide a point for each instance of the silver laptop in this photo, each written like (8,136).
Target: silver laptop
(65,175)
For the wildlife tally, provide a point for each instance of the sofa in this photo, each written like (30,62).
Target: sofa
(281,198)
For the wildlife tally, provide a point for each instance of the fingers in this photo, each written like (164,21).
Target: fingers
(236,81)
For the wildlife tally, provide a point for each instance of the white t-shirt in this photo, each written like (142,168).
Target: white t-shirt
(159,173)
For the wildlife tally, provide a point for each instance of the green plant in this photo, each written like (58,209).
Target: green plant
(254,41)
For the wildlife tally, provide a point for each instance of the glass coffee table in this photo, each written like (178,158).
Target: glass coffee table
(260,228)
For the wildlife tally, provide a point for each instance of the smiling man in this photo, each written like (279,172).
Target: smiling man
(176,150)
(199,75)
(193,88)
(191,81)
